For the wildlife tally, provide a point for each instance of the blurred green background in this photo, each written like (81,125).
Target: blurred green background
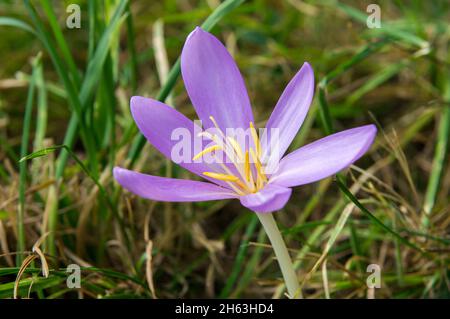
(71,87)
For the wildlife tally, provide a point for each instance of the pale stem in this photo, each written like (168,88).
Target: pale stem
(282,254)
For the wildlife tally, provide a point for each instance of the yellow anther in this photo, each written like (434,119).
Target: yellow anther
(247,167)
(258,165)
(236,147)
(255,139)
(221,177)
(206,151)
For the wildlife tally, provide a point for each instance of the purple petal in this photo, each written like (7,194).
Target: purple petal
(271,198)
(169,189)
(324,157)
(290,111)
(159,123)
(214,83)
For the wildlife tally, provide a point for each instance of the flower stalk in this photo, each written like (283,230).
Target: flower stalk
(282,254)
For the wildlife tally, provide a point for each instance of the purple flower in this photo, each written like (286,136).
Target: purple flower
(217,91)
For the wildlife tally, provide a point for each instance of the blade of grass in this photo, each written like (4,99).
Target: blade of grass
(132,50)
(91,79)
(51,87)
(250,270)
(398,256)
(110,104)
(374,219)
(299,228)
(333,236)
(16,23)
(240,258)
(61,41)
(442,143)
(387,29)
(70,87)
(41,120)
(92,14)
(324,109)
(38,283)
(21,241)
(376,80)
(80,102)
(355,244)
(437,169)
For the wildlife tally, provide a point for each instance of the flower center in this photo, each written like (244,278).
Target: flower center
(249,176)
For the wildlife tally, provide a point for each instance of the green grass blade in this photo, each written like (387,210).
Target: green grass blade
(61,41)
(21,241)
(132,50)
(324,109)
(438,164)
(240,258)
(376,80)
(36,283)
(374,219)
(222,10)
(249,271)
(16,23)
(42,107)
(92,77)
(95,65)
(41,152)
(71,89)
(387,28)
(331,240)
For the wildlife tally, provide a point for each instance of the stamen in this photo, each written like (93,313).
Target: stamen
(258,165)
(255,139)
(226,148)
(241,185)
(236,147)
(238,182)
(247,180)
(217,126)
(247,167)
(206,151)
(221,177)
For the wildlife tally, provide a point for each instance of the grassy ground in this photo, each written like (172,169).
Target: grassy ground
(61,86)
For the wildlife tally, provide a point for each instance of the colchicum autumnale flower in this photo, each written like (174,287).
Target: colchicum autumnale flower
(218,94)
